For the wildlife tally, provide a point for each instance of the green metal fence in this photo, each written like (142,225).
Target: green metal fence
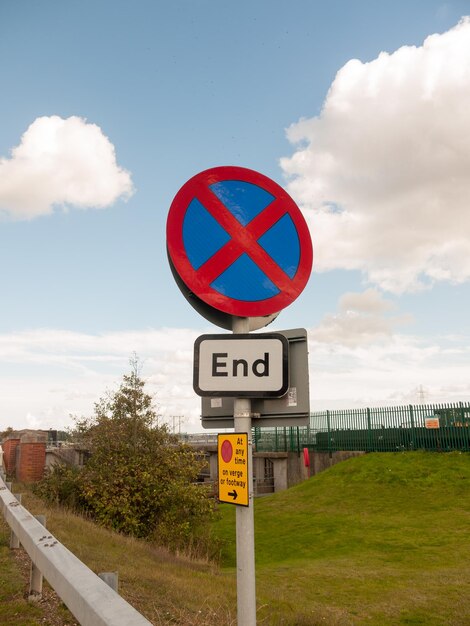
(440,427)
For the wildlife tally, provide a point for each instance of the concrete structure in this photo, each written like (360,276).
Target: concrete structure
(26,456)
(71,455)
(276,471)
(320,461)
(272,471)
(27,453)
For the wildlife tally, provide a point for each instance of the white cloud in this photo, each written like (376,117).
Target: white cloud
(61,163)
(382,173)
(46,375)
(369,301)
(358,358)
(359,321)
(388,372)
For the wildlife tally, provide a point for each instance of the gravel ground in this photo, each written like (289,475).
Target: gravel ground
(55,613)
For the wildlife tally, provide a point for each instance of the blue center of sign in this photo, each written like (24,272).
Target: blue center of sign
(243,280)
(203,236)
(282,244)
(243,200)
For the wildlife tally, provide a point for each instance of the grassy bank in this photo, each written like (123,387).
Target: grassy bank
(382,539)
(164,588)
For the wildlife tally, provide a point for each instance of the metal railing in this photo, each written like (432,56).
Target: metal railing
(439,427)
(199,439)
(88,597)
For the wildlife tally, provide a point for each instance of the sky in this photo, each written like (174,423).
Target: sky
(360,110)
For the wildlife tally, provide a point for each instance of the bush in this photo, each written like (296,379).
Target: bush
(60,485)
(139,478)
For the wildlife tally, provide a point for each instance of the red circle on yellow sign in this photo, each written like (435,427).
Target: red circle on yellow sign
(226,451)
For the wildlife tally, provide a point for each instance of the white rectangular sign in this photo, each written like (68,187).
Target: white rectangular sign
(253,366)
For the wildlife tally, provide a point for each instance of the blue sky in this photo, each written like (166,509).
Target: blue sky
(107,108)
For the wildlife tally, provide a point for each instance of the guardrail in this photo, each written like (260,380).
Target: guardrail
(89,599)
(199,439)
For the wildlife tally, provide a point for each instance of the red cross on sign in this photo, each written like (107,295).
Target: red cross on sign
(239,242)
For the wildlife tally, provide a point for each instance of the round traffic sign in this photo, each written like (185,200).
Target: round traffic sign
(239,242)
(226,451)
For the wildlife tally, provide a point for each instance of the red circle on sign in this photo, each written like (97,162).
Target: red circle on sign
(226,451)
(242,240)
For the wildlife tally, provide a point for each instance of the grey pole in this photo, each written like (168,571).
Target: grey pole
(111,579)
(246,578)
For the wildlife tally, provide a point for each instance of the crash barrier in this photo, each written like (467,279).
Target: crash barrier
(89,598)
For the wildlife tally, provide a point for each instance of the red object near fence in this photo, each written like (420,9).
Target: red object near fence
(306,458)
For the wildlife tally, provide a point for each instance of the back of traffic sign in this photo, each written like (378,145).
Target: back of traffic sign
(238,243)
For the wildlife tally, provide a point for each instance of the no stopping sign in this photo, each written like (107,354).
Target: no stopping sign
(239,242)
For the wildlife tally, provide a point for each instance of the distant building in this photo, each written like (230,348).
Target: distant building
(24,454)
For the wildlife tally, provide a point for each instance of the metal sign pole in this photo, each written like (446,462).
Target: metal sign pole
(246,578)
(240,250)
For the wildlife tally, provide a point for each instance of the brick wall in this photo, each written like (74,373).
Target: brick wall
(24,455)
(9,455)
(30,461)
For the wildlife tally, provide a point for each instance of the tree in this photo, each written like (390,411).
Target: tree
(140,479)
(6,432)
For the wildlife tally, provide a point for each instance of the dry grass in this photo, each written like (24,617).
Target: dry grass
(15,610)
(167,589)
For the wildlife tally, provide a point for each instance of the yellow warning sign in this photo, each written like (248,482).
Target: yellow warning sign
(232,453)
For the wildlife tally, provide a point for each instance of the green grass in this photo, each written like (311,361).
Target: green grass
(382,539)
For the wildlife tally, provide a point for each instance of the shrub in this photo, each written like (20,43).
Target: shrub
(139,478)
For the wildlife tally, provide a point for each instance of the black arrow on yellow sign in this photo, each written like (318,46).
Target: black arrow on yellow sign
(233,493)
